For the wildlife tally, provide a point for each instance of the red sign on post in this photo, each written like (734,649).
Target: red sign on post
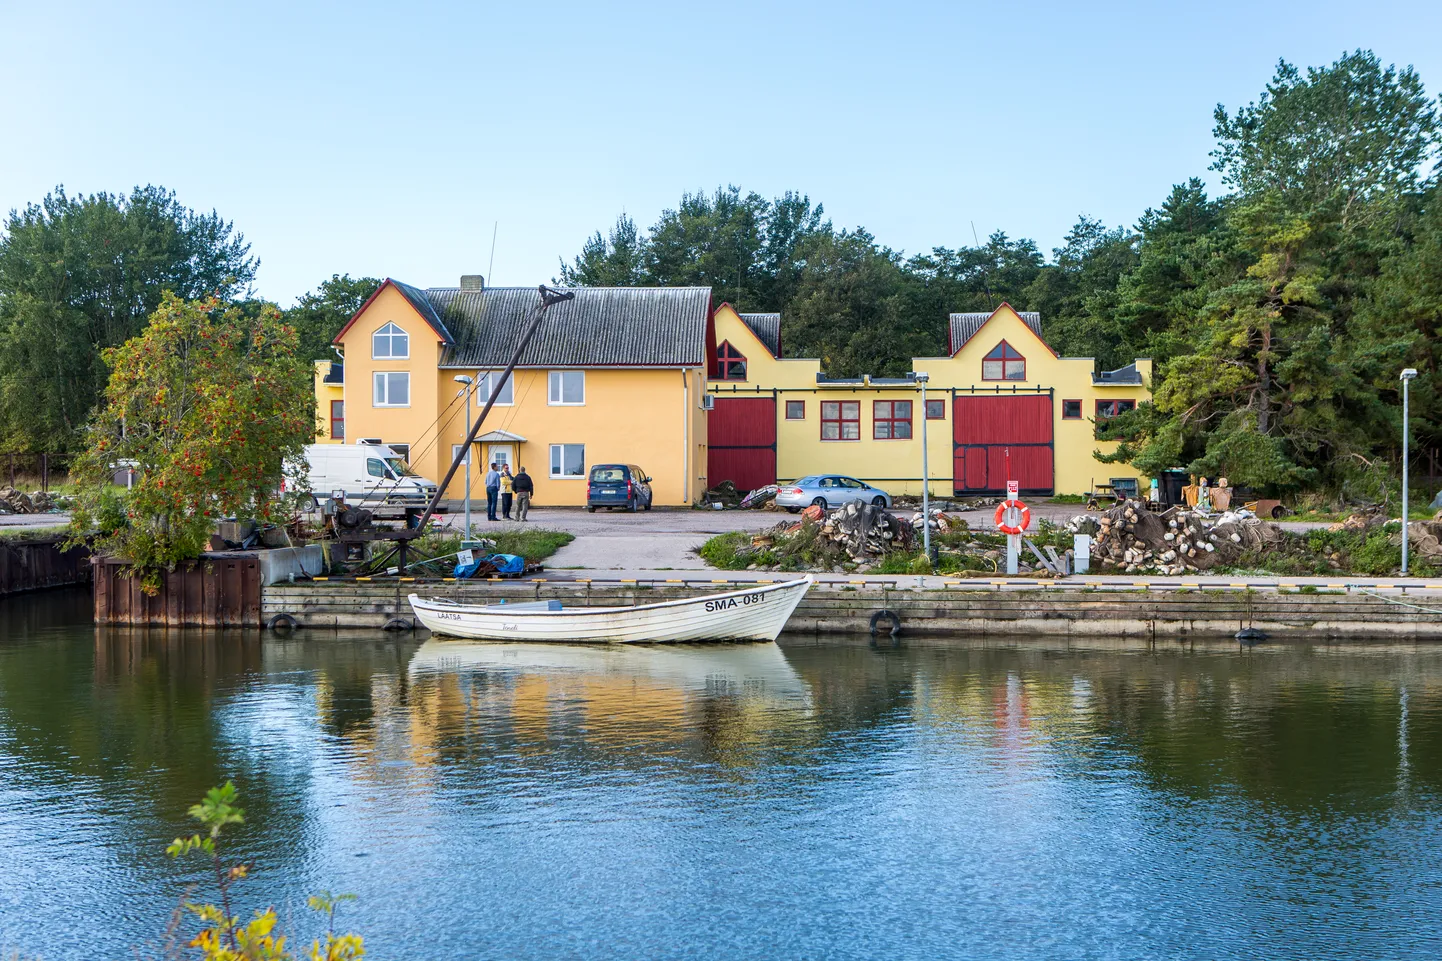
(1013,490)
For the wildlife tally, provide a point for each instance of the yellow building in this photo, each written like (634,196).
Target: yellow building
(329,402)
(1001,405)
(616,375)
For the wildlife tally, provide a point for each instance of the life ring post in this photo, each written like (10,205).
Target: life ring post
(1012,518)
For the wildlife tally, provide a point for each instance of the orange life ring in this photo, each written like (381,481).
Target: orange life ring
(1001,512)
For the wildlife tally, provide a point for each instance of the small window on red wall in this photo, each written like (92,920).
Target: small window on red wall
(796,410)
(841,420)
(730,363)
(1003,363)
(891,419)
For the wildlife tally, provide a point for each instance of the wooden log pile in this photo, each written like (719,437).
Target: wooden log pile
(1131,539)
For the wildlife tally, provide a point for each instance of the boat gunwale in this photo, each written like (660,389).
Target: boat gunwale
(497,610)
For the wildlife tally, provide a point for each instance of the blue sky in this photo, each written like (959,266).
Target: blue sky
(388,140)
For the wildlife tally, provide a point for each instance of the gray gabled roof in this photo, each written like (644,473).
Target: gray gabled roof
(965,326)
(767,328)
(601,327)
(1128,375)
(423,305)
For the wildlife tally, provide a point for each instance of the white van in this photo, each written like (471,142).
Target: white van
(372,475)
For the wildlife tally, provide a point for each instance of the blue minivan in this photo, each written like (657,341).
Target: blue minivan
(618,485)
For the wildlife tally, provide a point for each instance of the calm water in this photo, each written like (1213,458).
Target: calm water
(813,800)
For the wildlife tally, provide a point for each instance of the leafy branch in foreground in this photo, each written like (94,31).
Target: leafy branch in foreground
(222,937)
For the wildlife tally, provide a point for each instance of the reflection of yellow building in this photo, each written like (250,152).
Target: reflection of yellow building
(1001,405)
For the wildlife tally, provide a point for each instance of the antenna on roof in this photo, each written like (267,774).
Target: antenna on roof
(986,275)
(490,267)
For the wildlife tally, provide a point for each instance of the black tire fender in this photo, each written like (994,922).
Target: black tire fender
(282,623)
(893,619)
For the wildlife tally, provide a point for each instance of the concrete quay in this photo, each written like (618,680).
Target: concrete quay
(1149,609)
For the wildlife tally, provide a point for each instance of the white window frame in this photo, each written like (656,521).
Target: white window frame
(556,388)
(377,391)
(456,449)
(484,388)
(391,329)
(551,462)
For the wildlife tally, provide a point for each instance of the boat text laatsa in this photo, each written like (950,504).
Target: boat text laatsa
(750,614)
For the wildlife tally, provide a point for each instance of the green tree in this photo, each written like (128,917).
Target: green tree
(616,259)
(1077,294)
(80,274)
(209,405)
(320,314)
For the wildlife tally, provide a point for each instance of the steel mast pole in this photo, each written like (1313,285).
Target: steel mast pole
(467,449)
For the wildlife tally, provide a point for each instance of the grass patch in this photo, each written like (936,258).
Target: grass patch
(722,550)
(535,544)
(1067,499)
(30,533)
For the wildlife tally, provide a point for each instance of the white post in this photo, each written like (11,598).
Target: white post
(925,475)
(1013,552)
(1407,376)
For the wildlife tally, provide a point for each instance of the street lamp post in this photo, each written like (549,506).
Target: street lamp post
(921,379)
(468,382)
(1407,376)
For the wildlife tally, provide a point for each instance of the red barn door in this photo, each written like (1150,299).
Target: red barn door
(741,442)
(987,428)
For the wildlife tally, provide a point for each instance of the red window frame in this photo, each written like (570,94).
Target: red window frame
(800,406)
(726,355)
(941,406)
(1111,408)
(839,414)
(1007,355)
(887,421)
(337,421)
(1077,415)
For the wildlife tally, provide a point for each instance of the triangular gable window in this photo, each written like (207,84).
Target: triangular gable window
(730,364)
(1003,363)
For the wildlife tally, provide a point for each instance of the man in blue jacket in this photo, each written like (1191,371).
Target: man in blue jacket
(493,491)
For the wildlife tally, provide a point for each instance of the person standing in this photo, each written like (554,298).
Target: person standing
(493,490)
(506,490)
(524,488)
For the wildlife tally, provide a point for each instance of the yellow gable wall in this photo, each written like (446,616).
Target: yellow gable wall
(1070,378)
(762,370)
(398,425)
(631,416)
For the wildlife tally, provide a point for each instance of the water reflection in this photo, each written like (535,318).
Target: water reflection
(810,799)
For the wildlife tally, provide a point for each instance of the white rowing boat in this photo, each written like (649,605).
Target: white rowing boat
(751,614)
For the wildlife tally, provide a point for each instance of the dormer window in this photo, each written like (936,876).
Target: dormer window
(730,364)
(390,343)
(1003,363)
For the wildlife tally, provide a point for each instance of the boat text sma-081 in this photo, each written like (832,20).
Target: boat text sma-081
(752,614)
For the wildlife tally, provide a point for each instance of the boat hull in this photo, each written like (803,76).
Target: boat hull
(751,614)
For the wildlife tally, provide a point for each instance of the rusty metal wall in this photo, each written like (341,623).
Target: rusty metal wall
(219,590)
(35,564)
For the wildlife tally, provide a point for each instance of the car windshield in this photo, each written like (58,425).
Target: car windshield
(604,474)
(400,468)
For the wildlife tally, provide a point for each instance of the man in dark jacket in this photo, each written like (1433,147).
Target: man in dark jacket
(524,487)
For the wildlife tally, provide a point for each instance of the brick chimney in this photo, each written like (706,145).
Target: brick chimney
(473,282)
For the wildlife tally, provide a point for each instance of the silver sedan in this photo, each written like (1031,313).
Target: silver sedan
(829,491)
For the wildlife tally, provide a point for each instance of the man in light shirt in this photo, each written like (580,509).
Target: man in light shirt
(493,491)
